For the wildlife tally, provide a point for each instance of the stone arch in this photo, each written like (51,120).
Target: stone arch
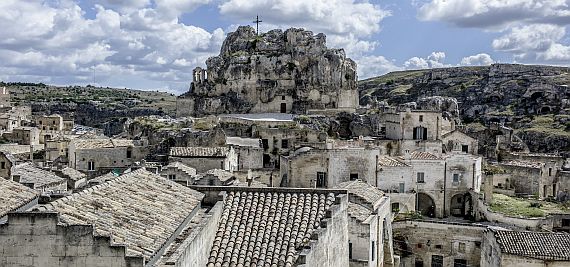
(425,205)
(461,205)
(545,110)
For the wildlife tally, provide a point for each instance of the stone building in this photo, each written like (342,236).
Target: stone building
(325,168)
(75,178)
(215,177)
(15,197)
(8,122)
(98,156)
(420,125)
(38,179)
(281,227)
(7,163)
(57,149)
(369,226)
(531,177)
(176,171)
(5,99)
(532,249)
(52,122)
(249,152)
(138,219)
(433,243)
(205,158)
(24,135)
(458,141)
(258,73)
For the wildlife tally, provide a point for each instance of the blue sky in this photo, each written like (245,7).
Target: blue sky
(155,44)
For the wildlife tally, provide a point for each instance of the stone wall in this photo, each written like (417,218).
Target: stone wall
(104,158)
(36,239)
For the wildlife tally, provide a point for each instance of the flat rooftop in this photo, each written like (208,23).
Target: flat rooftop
(283,117)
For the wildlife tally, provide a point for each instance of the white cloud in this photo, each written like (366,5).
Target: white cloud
(371,66)
(58,43)
(535,42)
(495,13)
(434,60)
(482,59)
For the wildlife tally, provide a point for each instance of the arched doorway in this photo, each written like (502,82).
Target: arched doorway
(462,205)
(425,205)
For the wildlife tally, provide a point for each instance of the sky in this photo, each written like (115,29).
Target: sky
(155,44)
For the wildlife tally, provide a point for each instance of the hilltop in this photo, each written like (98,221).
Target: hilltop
(534,100)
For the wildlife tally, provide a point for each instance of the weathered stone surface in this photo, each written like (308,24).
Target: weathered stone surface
(255,74)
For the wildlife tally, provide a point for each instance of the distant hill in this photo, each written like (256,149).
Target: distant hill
(535,100)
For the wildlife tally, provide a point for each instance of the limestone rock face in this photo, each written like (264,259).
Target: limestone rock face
(291,70)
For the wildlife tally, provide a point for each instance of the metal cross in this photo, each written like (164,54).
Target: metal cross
(257,21)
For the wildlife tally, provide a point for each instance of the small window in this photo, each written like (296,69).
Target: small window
(565,222)
(284,143)
(436,261)
(419,245)
(91,165)
(349,250)
(549,171)
(53,122)
(3,165)
(402,188)
(172,177)
(465,148)
(421,118)
(321,179)
(461,247)
(265,143)
(395,207)
(420,177)
(373,249)
(129,152)
(282,97)
(459,263)
(456,177)
(353,176)
(438,246)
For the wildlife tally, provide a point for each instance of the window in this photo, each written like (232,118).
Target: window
(456,177)
(91,165)
(420,177)
(172,177)
(395,207)
(129,152)
(459,263)
(321,179)
(438,246)
(420,133)
(421,118)
(465,148)
(549,171)
(436,261)
(53,122)
(353,176)
(350,250)
(284,143)
(419,245)
(419,263)
(461,247)
(265,143)
(565,222)
(373,248)
(282,97)
(3,165)
(402,188)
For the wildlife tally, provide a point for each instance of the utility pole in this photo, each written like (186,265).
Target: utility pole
(257,21)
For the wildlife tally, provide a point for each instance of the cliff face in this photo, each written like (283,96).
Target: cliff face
(534,100)
(277,71)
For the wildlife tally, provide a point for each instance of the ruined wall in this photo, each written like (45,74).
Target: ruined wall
(36,239)
(254,73)
(104,158)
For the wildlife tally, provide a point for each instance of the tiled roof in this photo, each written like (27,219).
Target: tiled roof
(247,142)
(222,175)
(14,195)
(220,152)
(524,164)
(103,178)
(19,149)
(30,174)
(73,174)
(367,192)
(9,157)
(182,167)
(539,245)
(101,143)
(267,228)
(388,161)
(358,212)
(139,209)
(420,155)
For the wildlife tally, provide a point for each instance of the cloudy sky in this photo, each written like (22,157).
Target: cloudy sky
(154,44)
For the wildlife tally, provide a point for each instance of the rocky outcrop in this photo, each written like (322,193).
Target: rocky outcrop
(277,71)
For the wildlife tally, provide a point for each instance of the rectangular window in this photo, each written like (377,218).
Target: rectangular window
(402,188)
(421,118)
(129,152)
(321,179)
(456,177)
(461,247)
(353,176)
(465,148)
(436,261)
(420,177)
(3,165)
(350,250)
(91,165)
(172,177)
(549,171)
(419,263)
(265,143)
(395,207)
(565,222)
(284,143)
(459,263)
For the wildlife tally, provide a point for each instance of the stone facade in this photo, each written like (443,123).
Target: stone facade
(531,178)
(414,125)
(99,156)
(203,162)
(7,162)
(286,72)
(457,141)
(24,136)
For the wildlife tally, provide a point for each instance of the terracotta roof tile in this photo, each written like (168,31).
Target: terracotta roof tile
(539,245)
(14,195)
(388,161)
(264,228)
(221,152)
